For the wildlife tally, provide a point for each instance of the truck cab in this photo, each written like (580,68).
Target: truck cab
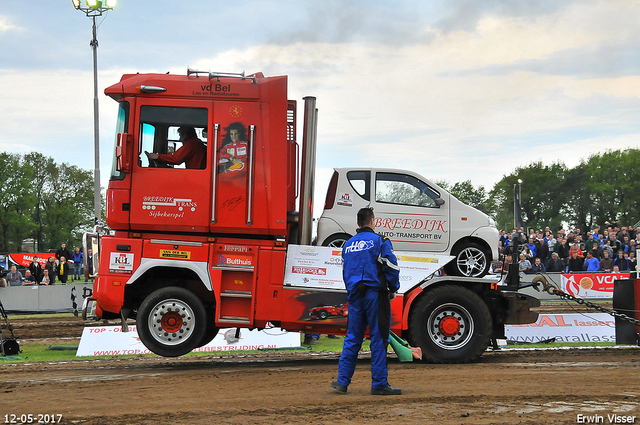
(412,211)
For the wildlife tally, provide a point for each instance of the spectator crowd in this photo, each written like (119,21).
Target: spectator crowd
(60,266)
(611,249)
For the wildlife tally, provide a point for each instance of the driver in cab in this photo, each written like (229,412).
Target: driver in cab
(192,152)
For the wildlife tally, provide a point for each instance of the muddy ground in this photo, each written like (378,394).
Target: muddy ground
(513,386)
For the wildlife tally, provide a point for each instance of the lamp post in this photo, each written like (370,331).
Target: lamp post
(93,9)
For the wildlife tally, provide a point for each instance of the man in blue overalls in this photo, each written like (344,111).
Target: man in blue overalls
(371,275)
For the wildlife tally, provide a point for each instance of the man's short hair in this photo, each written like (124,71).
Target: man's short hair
(187,131)
(365,215)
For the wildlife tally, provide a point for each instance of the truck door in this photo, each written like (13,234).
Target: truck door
(164,196)
(241,172)
(411,212)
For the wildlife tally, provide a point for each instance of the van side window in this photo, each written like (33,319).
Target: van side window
(403,189)
(360,181)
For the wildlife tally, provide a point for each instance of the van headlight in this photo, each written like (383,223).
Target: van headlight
(492,222)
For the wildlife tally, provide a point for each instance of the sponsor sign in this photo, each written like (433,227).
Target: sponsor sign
(321,267)
(171,253)
(111,341)
(591,285)
(168,206)
(592,327)
(27,258)
(234,260)
(120,262)
(345,200)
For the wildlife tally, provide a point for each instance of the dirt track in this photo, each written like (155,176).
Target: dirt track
(508,387)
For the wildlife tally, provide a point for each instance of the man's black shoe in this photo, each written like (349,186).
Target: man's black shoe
(386,391)
(337,386)
(332,336)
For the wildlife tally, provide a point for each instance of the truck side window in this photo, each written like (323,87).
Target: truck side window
(158,134)
(403,189)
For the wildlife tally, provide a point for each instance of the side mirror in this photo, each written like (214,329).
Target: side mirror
(123,152)
(439,201)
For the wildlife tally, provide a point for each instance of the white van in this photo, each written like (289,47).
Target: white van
(415,213)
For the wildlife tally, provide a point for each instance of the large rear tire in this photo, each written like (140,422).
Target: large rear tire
(212,329)
(171,321)
(451,324)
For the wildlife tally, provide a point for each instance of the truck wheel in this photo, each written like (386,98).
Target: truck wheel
(212,329)
(337,240)
(451,324)
(471,260)
(171,321)
(322,314)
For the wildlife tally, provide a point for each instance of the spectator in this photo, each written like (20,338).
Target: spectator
(606,264)
(29,279)
(614,243)
(36,269)
(591,264)
(63,270)
(496,266)
(633,264)
(576,248)
(543,252)
(52,267)
(538,266)
(14,277)
(607,247)
(621,262)
(63,252)
(45,278)
(532,247)
(524,265)
(575,262)
(89,270)
(555,263)
(3,281)
(78,259)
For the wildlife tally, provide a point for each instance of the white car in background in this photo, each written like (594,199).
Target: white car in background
(415,213)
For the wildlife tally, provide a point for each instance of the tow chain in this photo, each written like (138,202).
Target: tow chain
(552,289)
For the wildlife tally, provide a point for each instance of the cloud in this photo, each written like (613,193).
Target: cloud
(6,25)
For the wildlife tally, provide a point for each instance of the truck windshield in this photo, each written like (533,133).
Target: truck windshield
(121,127)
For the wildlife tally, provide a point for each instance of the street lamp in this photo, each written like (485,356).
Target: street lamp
(93,9)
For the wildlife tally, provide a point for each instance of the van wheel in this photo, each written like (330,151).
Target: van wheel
(337,240)
(471,261)
(451,324)
(171,321)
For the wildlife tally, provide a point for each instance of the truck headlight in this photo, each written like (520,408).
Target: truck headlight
(492,222)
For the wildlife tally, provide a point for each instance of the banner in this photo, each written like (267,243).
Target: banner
(592,327)
(591,285)
(321,267)
(111,341)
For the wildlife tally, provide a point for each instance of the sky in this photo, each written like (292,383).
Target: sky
(453,90)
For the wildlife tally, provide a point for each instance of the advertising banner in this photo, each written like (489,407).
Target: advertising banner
(593,327)
(591,285)
(321,267)
(111,341)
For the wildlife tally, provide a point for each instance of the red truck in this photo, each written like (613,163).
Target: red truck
(193,250)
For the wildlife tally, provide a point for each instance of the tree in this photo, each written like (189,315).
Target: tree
(42,168)
(15,202)
(67,201)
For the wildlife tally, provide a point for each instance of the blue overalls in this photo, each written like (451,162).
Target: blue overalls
(366,257)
